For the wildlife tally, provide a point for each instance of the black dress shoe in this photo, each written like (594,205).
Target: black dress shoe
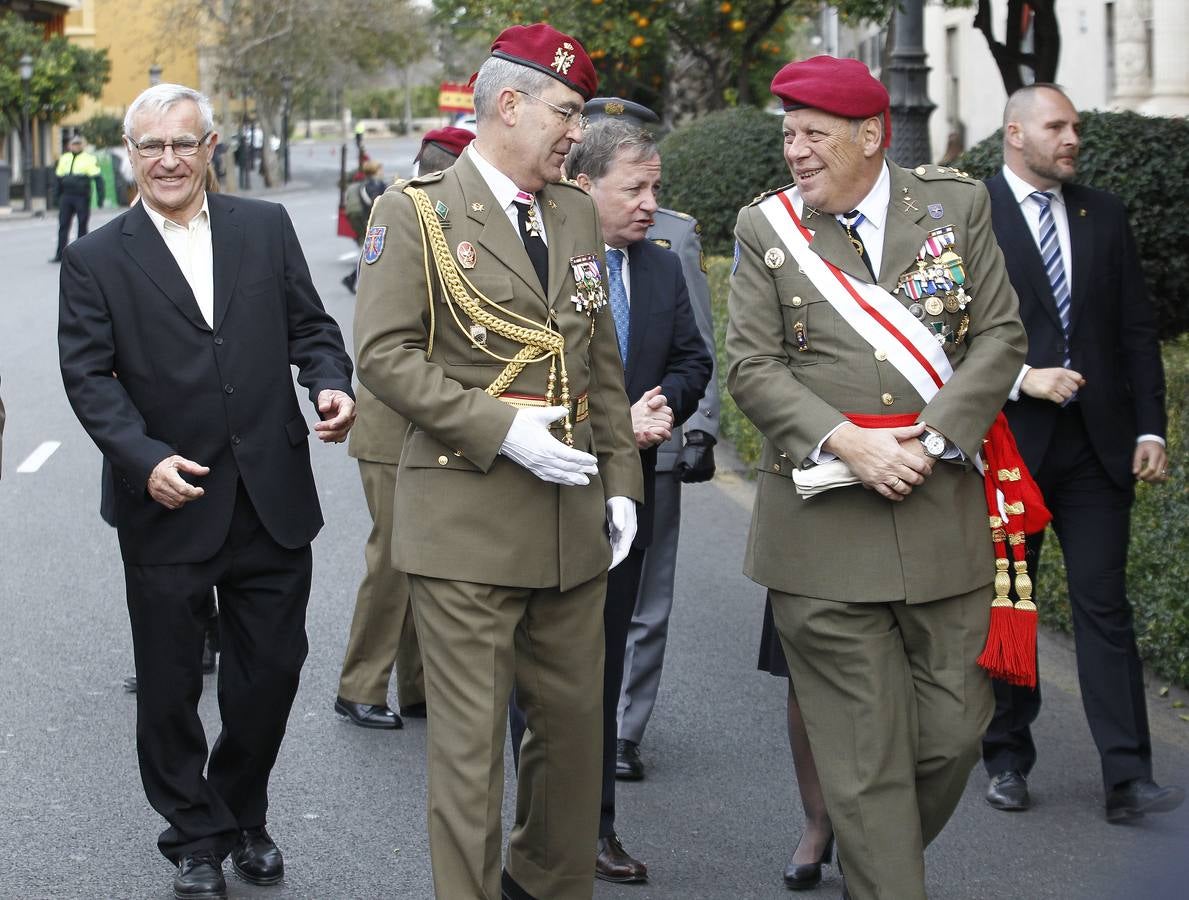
(1134,798)
(368,715)
(628,765)
(1008,791)
(615,864)
(803,876)
(510,890)
(200,874)
(256,858)
(414,710)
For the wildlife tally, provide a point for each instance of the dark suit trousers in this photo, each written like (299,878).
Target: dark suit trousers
(623,583)
(69,206)
(263,591)
(1092,520)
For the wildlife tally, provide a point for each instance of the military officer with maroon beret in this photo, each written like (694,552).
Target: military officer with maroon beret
(483,319)
(873,338)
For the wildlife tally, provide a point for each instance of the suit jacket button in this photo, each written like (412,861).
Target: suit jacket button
(235,440)
(881,355)
(887,399)
(442,460)
(796,301)
(218,342)
(228,389)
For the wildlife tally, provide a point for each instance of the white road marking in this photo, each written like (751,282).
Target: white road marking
(37,458)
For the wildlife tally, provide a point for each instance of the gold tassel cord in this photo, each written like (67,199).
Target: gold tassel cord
(539,342)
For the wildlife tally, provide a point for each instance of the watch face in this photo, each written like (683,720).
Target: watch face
(934,443)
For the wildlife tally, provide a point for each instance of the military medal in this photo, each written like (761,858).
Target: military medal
(590,296)
(953,262)
(951,303)
(466,255)
(799,338)
(441,209)
(774,258)
(532,225)
(917,310)
(478,335)
(933,306)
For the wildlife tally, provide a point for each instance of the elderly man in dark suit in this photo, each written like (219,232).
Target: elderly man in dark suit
(666,368)
(179,323)
(1088,414)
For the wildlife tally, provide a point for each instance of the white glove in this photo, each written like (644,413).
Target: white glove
(621,527)
(529,443)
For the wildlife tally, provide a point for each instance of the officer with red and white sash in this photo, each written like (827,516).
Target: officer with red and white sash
(873,338)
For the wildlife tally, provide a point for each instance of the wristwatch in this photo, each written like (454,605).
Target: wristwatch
(934,443)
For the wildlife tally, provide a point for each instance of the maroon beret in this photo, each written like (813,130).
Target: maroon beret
(547,50)
(842,87)
(452,140)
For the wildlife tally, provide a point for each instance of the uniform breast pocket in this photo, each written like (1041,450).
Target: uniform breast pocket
(810,324)
(473,343)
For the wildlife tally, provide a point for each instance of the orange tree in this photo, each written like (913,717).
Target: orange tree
(729,47)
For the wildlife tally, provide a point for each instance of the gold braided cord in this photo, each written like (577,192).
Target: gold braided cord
(539,342)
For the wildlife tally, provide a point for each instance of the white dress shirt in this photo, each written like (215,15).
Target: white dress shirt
(874,208)
(505,191)
(191,246)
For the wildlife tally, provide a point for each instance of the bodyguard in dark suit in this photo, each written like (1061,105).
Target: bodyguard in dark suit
(179,322)
(1088,414)
(666,368)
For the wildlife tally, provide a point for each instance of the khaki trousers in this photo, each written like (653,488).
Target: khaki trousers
(476,642)
(382,629)
(895,707)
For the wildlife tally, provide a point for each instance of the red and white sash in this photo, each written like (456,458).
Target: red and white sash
(878,317)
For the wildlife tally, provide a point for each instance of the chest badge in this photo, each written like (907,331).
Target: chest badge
(466,255)
(774,258)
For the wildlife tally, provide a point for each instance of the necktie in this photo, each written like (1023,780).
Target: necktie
(619,301)
(530,233)
(851,222)
(1050,252)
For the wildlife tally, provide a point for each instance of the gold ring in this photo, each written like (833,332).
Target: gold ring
(896,482)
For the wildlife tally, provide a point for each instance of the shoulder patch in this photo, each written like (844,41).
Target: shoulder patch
(942,173)
(770,193)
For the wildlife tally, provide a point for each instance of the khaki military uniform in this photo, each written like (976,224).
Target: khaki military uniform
(882,607)
(507,572)
(383,636)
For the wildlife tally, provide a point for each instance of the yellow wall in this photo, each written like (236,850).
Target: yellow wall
(136,34)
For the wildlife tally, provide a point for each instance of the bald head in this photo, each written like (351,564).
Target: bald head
(1041,135)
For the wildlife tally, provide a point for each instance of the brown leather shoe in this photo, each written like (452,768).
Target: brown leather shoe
(615,864)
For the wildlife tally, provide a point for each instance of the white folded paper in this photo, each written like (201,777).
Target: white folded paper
(816,479)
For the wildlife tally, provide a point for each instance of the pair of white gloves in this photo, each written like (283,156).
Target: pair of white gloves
(529,444)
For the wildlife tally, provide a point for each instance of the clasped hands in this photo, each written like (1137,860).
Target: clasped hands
(889,461)
(528,443)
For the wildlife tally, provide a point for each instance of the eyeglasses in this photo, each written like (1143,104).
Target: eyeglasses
(181,147)
(567,113)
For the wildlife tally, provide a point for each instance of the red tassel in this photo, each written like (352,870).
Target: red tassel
(1023,645)
(995,657)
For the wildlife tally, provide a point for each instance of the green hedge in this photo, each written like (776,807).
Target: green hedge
(1158,564)
(1145,160)
(717,164)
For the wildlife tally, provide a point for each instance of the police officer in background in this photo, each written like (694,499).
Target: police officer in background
(77,170)
(686,458)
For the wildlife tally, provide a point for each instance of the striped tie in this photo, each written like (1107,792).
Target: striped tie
(1050,251)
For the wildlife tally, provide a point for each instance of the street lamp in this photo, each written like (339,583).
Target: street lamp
(26,70)
(154,75)
(287,87)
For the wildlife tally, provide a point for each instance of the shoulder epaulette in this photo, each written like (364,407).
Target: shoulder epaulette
(769,194)
(940,173)
(423,178)
(570,182)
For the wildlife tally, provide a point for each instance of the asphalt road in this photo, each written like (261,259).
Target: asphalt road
(715,819)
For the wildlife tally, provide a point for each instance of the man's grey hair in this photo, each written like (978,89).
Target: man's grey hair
(602,143)
(160,98)
(496,74)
